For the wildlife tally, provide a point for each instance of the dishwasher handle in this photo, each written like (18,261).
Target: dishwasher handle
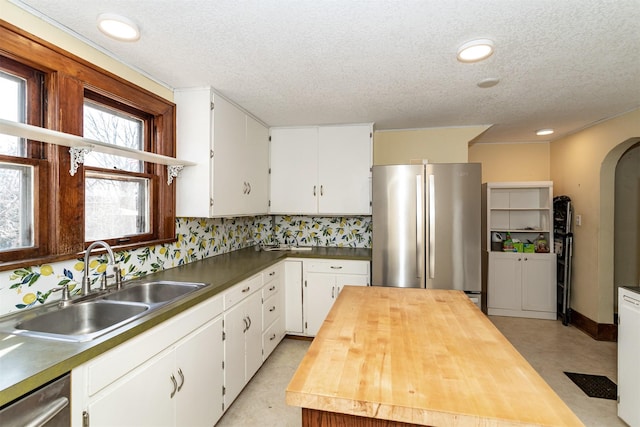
(46,413)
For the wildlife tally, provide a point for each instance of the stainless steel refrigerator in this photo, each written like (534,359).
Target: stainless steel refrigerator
(426,226)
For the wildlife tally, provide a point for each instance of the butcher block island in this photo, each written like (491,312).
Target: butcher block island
(398,356)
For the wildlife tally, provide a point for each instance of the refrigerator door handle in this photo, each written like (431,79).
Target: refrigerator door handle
(419,228)
(432,226)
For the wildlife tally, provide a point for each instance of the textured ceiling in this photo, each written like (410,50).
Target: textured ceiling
(563,64)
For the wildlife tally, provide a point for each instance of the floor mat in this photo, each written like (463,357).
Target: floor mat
(595,385)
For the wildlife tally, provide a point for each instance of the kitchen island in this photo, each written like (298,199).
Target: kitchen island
(392,356)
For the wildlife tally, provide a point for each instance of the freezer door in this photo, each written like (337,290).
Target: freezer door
(398,226)
(453,199)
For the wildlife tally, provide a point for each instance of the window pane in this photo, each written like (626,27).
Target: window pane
(16,206)
(115,206)
(12,107)
(113,127)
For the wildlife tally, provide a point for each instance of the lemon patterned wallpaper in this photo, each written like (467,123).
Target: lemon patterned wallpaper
(198,238)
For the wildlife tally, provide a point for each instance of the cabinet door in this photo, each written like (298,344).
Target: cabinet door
(293,296)
(294,170)
(228,157)
(344,169)
(142,399)
(199,372)
(235,326)
(504,287)
(194,133)
(539,282)
(343,280)
(256,155)
(320,293)
(253,335)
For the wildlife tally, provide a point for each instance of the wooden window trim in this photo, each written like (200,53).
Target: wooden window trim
(67,78)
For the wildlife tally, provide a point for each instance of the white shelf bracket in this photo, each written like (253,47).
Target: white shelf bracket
(77,157)
(173,171)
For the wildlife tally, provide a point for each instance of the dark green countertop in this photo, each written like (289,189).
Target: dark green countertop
(27,363)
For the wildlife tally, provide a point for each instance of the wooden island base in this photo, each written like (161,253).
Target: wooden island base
(316,418)
(405,357)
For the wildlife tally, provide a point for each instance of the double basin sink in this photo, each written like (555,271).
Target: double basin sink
(89,319)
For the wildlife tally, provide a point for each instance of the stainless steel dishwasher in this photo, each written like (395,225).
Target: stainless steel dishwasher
(47,406)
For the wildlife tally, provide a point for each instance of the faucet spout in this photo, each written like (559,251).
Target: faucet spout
(86,283)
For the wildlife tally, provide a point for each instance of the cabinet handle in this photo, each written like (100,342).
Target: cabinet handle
(314,190)
(249,184)
(322,190)
(336,267)
(272,273)
(273,337)
(246,325)
(181,379)
(175,386)
(247,289)
(244,188)
(333,292)
(519,259)
(272,288)
(272,309)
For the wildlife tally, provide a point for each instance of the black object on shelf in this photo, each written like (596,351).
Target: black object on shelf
(563,241)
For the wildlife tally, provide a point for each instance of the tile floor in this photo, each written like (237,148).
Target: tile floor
(550,348)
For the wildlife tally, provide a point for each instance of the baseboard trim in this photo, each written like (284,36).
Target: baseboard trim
(597,331)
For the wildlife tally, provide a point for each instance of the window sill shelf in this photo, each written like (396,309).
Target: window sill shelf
(79,146)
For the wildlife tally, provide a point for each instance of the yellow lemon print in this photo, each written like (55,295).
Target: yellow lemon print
(102,268)
(78,266)
(93,264)
(29,298)
(46,270)
(163,250)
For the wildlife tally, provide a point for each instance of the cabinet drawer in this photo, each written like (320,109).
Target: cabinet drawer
(337,266)
(271,289)
(270,339)
(242,290)
(272,273)
(271,310)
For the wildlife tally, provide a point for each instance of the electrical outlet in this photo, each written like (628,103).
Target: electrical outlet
(578,220)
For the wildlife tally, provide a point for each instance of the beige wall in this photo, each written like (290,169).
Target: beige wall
(583,167)
(38,27)
(437,145)
(512,162)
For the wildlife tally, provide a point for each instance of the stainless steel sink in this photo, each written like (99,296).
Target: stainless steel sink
(154,292)
(82,321)
(94,315)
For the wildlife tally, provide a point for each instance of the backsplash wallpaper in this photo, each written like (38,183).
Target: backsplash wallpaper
(198,238)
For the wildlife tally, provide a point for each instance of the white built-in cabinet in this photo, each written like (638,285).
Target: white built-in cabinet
(519,284)
(157,378)
(242,335)
(231,149)
(321,170)
(273,309)
(313,285)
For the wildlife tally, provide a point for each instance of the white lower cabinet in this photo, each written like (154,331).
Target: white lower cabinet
(273,302)
(242,336)
(522,285)
(293,297)
(323,281)
(159,378)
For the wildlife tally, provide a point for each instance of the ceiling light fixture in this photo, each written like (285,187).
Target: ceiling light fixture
(489,82)
(543,132)
(118,27)
(475,50)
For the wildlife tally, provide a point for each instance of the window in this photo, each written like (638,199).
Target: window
(117,189)
(20,214)
(47,214)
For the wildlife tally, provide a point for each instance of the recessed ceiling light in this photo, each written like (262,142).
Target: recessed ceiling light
(475,50)
(543,132)
(489,82)
(118,27)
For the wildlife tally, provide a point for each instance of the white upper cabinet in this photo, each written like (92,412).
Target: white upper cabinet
(231,151)
(321,170)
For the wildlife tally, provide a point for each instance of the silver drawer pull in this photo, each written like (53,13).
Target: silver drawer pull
(247,289)
(273,337)
(272,309)
(336,267)
(175,386)
(181,379)
(272,288)
(272,273)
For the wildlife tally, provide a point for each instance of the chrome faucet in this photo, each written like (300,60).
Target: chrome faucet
(86,283)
